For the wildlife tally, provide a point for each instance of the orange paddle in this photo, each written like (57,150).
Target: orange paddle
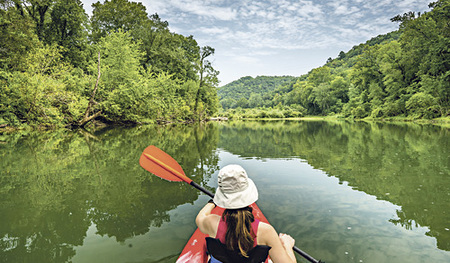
(164,166)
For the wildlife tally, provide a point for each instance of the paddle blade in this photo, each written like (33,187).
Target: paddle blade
(162,165)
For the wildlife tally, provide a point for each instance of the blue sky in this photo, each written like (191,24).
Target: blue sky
(277,37)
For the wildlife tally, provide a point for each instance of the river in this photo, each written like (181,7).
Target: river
(346,191)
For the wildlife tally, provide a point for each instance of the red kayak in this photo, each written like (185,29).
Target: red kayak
(195,249)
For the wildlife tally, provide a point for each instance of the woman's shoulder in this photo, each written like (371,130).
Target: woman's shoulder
(265,227)
(212,222)
(208,224)
(266,233)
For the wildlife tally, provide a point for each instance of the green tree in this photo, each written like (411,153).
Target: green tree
(120,69)
(68,28)
(364,73)
(17,34)
(425,42)
(164,51)
(241,103)
(320,75)
(37,10)
(227,103)
(168,52)
(114,15)
(255,100)
(391,66)
(324,97)
(307,99)
(421,105)
(266,86)
(339,87)
(206,98)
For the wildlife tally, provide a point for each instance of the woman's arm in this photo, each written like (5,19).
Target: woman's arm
(207,222)
(288,243)
(282,244)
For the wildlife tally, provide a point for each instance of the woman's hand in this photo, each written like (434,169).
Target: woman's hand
(287,241)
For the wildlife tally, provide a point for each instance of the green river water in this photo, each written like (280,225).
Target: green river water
(346,191)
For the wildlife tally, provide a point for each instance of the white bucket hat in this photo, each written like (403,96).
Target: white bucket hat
(235,189)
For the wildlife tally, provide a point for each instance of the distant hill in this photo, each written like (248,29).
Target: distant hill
(264,88)
(239,92)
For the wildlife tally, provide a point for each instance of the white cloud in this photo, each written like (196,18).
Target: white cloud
(249,60)
(310,10)
(247,31)
(221,31)
(206,9)
(345,10)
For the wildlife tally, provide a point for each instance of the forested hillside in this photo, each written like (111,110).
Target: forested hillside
(404,73)
(58,67)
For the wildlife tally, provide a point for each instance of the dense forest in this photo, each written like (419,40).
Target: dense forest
(404,73)
(60,67)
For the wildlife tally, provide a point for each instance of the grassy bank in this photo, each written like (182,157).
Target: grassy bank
(442,121)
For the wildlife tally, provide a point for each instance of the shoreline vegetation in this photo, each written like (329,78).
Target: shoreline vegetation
(60,68)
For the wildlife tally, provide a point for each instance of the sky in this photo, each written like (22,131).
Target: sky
(277,37)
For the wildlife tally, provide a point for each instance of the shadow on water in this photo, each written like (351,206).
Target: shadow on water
(54,185)
(405,164)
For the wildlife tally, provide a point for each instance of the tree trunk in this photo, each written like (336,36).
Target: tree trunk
(197,96)
(86,117)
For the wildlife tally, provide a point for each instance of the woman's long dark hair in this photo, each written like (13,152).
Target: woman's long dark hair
(239,229)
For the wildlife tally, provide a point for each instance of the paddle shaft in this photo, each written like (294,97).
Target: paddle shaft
(296,249)
(199,187)
(306,256)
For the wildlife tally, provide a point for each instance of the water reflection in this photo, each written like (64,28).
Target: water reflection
(54,186)
(405,164)
(73,196)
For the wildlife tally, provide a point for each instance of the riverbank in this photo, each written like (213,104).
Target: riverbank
(442,121)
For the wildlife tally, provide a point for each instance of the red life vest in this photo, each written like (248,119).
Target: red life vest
(220,253)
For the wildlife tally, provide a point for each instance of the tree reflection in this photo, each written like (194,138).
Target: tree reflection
(405,164)
(53,185)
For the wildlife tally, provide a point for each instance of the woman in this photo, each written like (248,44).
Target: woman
(236,229)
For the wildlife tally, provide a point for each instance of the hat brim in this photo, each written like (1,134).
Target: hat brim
(237,200)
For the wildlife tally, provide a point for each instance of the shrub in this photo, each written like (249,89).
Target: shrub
(422,105)
(359,112)
(377,112)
